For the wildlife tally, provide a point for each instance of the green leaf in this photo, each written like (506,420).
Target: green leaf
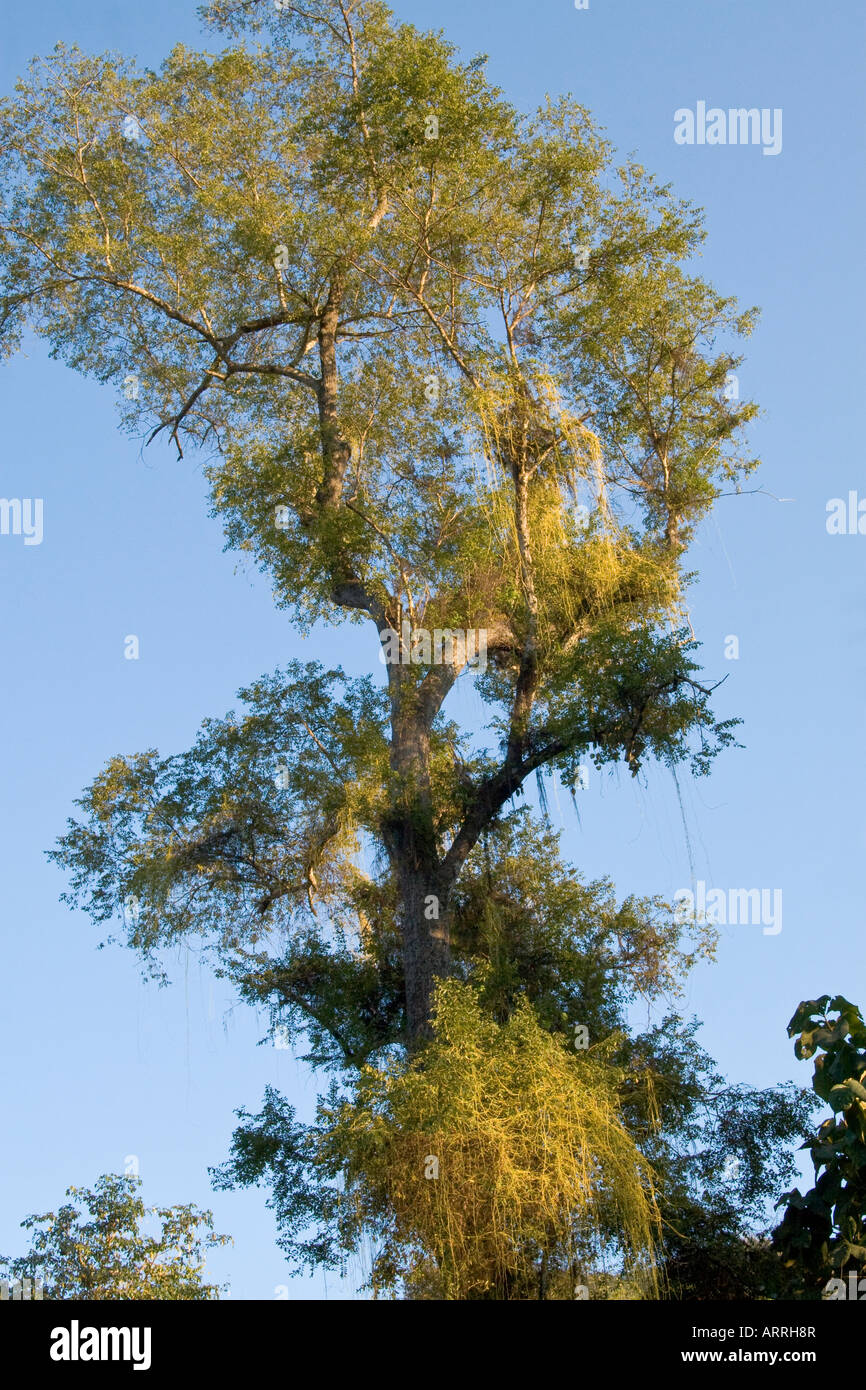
(806,1013)
(839,1097)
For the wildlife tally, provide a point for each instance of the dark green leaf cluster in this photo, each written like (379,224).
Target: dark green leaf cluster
(824,1231)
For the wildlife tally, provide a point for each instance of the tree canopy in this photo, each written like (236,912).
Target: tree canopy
(416,349)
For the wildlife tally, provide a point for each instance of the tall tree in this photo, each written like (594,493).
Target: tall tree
(457,382)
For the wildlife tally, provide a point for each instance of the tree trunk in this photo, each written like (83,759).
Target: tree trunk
(411,842)
(426,944)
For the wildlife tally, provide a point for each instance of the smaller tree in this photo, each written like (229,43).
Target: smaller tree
(106,1254)
(825,1231)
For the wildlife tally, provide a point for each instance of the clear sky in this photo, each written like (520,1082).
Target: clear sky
(98,1066)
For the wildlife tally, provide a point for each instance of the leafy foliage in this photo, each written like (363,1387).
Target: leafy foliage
(94,1247)
(282,885)
(825,1230)
(482,1168)
(405,257)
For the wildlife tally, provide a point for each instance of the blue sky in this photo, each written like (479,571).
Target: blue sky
(97,1065)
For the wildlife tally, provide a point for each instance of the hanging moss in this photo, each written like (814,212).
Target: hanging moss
(494,1165)
(582,574)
